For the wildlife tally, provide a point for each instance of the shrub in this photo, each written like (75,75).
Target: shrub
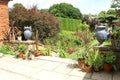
(46,24)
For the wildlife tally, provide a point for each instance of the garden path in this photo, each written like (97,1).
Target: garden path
(47,68)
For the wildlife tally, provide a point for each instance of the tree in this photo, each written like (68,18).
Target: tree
(65,10)
(102,16)
(115,4)
(107,17)
(46,24)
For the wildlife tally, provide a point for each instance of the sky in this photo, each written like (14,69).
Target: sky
(85,6)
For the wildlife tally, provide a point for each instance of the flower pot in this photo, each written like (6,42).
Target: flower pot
(25,57)
(37,53)
(107,67)
(81,63)
(20,55)
(88,69)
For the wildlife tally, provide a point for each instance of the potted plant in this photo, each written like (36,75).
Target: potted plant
(97,60)
(19,33)
(81,58)
(109,59)
(88,63)
(21,50)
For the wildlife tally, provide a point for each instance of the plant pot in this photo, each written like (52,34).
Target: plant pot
(88,69)
(107,67)
(37,53)
(81,63)
(20,55)
(25,57)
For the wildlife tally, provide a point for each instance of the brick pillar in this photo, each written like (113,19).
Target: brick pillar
(4,20)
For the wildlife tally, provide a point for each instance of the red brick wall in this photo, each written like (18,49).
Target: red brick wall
(4,21)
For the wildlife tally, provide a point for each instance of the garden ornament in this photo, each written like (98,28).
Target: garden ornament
(27,32)
(102,33)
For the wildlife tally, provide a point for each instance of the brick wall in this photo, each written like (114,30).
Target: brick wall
(4,20)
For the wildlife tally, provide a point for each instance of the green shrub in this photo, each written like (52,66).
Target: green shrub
(72,24)
(6,50)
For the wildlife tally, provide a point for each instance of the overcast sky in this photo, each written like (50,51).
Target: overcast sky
(85,6)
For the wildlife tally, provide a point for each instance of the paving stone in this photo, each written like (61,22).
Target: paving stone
(9,58)
(48,75)
(5,75)
(32,63)
(102,76)
(116,76)
(78,72)
(56,59)
(25,70)
(50,65)
(77,78)
(63,68)
(8,65)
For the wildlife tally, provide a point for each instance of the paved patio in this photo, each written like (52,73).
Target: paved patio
(47,68)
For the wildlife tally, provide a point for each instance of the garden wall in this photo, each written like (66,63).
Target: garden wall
(105,49)
(4,20)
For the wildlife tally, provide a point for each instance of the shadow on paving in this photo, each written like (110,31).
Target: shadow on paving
(101,75)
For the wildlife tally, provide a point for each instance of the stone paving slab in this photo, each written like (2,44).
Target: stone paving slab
(48,75)
(101,76)
(47,68)
(63,68)
(5,75)
(79,73)
(116,76)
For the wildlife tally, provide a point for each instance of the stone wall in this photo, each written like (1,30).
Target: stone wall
(4,20)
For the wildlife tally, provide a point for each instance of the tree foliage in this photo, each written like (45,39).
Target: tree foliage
(115,4)
(107,17)
(46,24)
(65,10)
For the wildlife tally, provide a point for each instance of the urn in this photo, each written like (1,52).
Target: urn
(101,34)
(27,32)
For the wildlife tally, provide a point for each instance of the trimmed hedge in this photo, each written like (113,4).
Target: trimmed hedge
(68,24)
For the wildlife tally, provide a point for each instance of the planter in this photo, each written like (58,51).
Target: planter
(81,63)
(101,34)
(25,57)
(107,67)
(37,53)
(88,69)
(20,55)
(27,32)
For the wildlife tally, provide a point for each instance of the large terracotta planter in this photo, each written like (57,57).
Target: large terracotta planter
(107,67)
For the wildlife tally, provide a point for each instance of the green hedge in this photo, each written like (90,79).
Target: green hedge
(71,24)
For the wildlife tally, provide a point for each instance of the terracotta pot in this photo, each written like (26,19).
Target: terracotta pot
(107,67)
(25,57)
(81,63)
(88,69)
(37,53)
(20,55)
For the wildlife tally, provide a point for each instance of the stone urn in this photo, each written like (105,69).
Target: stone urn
(101,34)
(27,32)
